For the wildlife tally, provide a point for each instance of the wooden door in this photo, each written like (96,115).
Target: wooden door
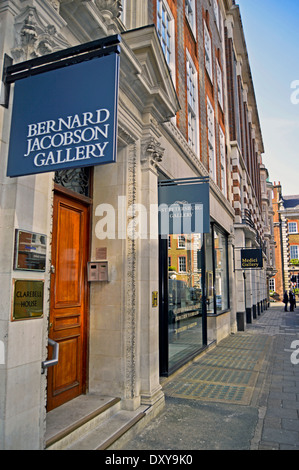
(69,299)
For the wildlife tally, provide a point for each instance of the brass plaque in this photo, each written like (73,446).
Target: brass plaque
(28,299)
(155,299)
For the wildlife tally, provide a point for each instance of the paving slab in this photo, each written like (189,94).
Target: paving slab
(242,395)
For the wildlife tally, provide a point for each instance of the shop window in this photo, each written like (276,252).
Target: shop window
(209,272)
(216,271)
(182,333)
(221,271)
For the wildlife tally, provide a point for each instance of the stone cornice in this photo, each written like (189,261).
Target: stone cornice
(150,80)
(10,5)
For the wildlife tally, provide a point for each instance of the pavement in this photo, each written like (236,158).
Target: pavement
(241,395)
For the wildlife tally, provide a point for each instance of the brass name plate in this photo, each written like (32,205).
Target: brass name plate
(28,299)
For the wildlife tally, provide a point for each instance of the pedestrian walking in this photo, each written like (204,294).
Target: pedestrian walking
(285,301)
(292,301)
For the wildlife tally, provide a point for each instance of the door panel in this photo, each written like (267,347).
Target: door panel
(69,297)
(68,289)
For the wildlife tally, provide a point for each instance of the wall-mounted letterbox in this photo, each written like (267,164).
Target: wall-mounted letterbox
(97,271)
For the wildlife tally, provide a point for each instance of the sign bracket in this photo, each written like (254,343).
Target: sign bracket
(73,55)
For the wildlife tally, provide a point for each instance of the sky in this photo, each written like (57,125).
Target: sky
(271,29)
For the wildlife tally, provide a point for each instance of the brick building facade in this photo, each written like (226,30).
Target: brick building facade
(286,219)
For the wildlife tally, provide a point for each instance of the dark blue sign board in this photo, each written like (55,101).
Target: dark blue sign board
(65,118)
(184,206)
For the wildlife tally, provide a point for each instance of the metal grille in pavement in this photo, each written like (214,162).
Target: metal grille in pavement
(227,374)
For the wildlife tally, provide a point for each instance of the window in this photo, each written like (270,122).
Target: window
(221,278)
(193,127)
(165,27)
(216,13)
(182,264)
(219,85)
(181,241)
(272,284)
(190,13)
(293,227)
(208,51)
(169,242)
(223,162)
(217,283)
(183,326)
(211,140)
(294,252)
(169,261)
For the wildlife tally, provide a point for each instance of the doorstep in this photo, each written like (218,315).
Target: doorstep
(89,422)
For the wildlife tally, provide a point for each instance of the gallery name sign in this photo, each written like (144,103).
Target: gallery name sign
(68,140)
(251,258)
(184,206)
(65,118)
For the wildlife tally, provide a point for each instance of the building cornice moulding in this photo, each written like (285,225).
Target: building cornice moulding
(145,77)
(12,6)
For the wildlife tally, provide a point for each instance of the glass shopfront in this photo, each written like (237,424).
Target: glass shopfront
(216,270)
(193,285)
(184,297)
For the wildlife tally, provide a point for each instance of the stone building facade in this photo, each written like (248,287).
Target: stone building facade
(186,110)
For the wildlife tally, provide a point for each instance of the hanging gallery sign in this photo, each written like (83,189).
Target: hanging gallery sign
(184,206)
(251,258)
(65,117)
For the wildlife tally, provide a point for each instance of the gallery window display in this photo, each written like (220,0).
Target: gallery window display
(193,285)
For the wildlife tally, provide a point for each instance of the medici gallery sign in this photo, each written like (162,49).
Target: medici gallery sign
(251,258)
(65,118)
